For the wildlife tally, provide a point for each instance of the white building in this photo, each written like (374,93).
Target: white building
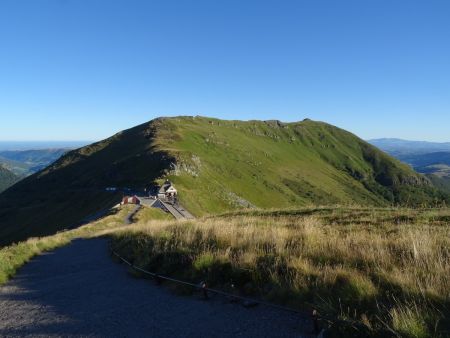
(167,191)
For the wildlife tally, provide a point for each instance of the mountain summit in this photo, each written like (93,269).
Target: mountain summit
(216,166)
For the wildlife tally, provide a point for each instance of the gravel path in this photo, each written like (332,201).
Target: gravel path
(78,291)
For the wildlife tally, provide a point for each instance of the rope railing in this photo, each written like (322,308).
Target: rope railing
(202,286)
(313,316)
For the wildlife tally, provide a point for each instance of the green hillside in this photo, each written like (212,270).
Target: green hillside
(222,165)
(217,166)
(73,188)
(7,178)
(441,182)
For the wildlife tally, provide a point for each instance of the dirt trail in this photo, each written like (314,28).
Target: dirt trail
(78,291)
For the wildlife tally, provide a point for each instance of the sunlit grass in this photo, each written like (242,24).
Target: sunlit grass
(388,268)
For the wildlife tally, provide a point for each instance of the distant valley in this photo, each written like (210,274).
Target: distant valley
(429,158)
(17,161)
(400,148)
(7,178)
(27,162)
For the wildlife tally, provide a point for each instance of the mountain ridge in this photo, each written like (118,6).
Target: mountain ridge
(217,166)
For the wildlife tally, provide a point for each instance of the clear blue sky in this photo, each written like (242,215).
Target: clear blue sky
(84,69)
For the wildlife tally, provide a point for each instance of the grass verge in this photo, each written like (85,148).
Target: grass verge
(14,256)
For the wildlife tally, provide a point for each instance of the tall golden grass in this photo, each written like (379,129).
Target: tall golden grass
(388,268)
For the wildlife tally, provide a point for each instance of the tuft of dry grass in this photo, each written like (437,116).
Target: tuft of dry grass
(409,320)
(388,268)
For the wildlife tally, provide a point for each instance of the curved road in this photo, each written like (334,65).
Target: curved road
(78,291)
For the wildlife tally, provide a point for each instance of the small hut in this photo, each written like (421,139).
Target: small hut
(167,191)
(131,200)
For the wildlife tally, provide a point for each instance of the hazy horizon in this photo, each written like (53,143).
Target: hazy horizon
(48,144)
(6,145)
(24,144)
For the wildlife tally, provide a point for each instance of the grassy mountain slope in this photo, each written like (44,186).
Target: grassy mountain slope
(7,178)
(217,166)
(442,182)
(73,187)
(224,164)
